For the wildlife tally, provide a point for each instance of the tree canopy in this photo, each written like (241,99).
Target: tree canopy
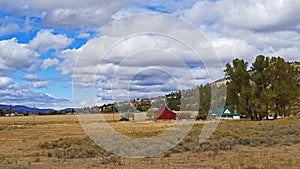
(270,87)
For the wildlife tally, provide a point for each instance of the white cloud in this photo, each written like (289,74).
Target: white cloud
(45,40)
(91,64)
(5,81)
(116,72)
(17,93)
(24,57)
(31,77)
(88,13)
(15,56)
(229,49)
(128,11)
(70,57)
(49,62)
(260,14)
(200,12)
(35,81)
(9,28)
(247,44)
(40,84)
(245,29)
(68,13)
(235,28)
(250,14)
(84,35)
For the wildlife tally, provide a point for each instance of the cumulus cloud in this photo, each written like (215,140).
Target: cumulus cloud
(68,13)
(23,57)
(246,29)
(35,81)
(92,64)
(40,84)
(5,81)
(231,42)
(256,15)
(15,56)
(9,28)
(84,35)
(45,40)
(235,28)
(88,13)
(229,49)
(31,77)
(261,15)
(118,67)
(17,93)
(70,57)
(49,62)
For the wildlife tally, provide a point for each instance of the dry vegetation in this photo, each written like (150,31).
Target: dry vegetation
(60,142)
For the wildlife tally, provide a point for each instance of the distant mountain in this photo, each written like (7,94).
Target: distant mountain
(21,109)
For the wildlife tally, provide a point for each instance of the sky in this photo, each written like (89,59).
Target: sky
(52,52)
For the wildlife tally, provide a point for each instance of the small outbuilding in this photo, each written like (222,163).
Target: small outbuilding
(164,113)
(226,114)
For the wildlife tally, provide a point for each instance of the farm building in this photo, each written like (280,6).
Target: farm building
(164,113)
(225,114)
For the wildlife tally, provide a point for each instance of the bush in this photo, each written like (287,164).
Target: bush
(70,148)
(124,119)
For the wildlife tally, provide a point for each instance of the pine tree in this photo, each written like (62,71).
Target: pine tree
(239,90)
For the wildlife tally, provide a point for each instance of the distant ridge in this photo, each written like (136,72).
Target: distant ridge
(21,109)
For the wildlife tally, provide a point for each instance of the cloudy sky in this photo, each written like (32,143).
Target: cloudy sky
(50,50)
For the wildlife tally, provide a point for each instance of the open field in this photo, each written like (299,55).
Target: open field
(60,142)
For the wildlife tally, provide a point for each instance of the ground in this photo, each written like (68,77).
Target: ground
(60,142)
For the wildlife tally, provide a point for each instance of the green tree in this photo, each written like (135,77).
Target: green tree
(4,112)
(174,100)
(204,101)
(239,92)
(284,85)
(52,112)
(262,78)
(63,111)
(270,87)
(276,88)
(10,109)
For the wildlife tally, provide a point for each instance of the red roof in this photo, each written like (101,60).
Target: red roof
(164,113)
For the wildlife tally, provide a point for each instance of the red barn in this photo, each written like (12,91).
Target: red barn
(164,113)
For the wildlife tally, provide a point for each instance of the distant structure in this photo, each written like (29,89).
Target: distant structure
(164,113)
(224,114)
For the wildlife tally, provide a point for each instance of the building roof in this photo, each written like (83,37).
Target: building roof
(164,113)
(224,112)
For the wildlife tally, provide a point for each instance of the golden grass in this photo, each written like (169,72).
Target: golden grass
(25,142)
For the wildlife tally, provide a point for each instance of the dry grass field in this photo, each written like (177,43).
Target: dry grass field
(60,142)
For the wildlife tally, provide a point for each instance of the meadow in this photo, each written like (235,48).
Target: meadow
(60,142)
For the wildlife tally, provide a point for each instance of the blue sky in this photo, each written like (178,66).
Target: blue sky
(41,41)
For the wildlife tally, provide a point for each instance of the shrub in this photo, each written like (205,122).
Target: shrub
(124,119)
(70,148)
